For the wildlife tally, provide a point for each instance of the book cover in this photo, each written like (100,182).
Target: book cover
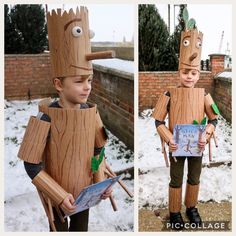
(91,195)
(187,137)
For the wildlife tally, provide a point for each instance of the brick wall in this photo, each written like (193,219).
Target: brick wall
(25,73)
(223,96)
(151,84)
(112,90)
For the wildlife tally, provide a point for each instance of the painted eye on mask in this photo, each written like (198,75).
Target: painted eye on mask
(91,34)
(77,31)
(199,44)
(186,42)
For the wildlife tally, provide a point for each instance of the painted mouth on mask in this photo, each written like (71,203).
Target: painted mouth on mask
(189,64)
(81,67)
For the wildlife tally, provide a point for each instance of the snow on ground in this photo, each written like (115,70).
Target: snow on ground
(23,209)
(115,63)
(216,182)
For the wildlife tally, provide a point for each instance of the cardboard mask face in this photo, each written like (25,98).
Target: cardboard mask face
(69,42)
(190,49)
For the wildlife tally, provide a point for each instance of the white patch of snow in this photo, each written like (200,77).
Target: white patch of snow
(115,63)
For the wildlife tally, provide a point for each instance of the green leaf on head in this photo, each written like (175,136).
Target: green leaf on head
(185,16)
(191,24)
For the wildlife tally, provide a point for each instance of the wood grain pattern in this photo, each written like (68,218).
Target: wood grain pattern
(208,109)
(100,133)
(67,52)
(71,146)
(191,195)
(34,141)
(210,128)
(50,187)
(100,55)
(100,175)
(175,199)
(160,110)
(186,105)
(186,59)
(164,133)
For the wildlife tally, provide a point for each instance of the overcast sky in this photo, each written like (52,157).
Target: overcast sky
(109,22)
(211,20)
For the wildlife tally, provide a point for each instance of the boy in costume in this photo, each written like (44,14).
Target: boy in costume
(185,105)
(60,142)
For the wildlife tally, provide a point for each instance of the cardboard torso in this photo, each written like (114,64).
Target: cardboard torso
(186,105)
(70,146)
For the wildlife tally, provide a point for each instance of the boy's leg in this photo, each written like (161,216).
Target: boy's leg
(57,221)
(175,192)
(192,189)
(79,221)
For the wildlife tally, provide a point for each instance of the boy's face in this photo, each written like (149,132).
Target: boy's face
(75,90)
(188,78)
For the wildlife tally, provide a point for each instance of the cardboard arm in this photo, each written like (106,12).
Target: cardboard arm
(100,133)
(34,141)
(208,101)
(164,133)
(49,187)
(210,128)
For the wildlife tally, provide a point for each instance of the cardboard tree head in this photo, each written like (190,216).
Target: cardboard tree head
(190,45)
(69,43)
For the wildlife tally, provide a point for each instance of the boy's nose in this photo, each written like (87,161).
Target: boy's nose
(87,86)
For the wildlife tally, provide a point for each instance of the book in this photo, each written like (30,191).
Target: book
(91,195)
(187,138)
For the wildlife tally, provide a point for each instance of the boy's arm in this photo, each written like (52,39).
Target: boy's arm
(31,152)
(159,114)
(212,113)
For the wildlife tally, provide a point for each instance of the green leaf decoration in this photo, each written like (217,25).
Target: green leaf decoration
(95,163)
(195,122)
(185,15)
(204,120)
(215,109)
(191,24)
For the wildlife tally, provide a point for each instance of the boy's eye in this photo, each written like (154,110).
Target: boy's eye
(78,81)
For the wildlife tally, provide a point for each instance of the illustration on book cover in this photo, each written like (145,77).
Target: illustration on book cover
(187,137)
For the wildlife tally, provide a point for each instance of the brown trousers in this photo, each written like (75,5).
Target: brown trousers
(177,171)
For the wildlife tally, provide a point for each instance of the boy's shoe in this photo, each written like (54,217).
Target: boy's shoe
(193,215)
(176,221)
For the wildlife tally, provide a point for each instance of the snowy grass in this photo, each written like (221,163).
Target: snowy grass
(216,182)
(23,209)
